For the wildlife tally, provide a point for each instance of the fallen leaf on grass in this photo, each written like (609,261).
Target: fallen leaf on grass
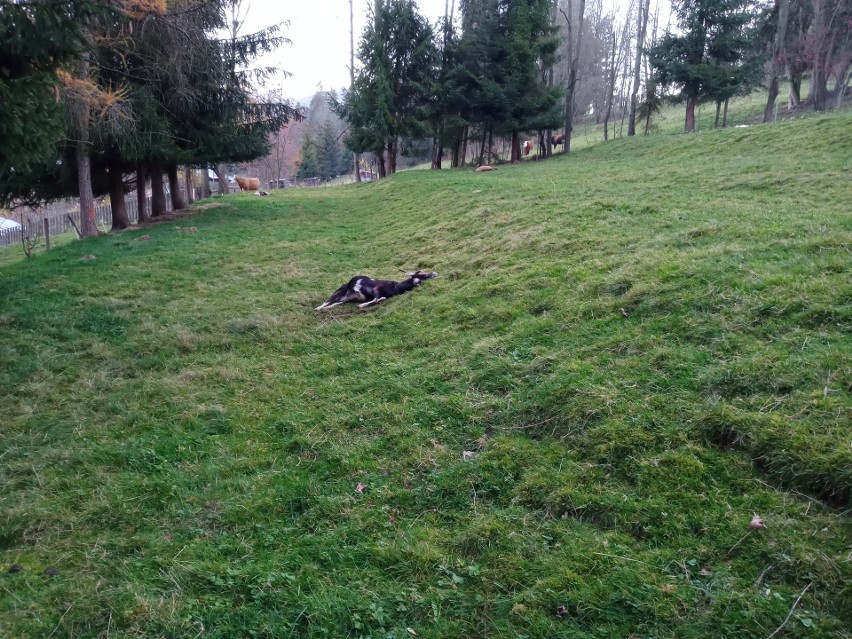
(468,454)
(361,487)
(756,522)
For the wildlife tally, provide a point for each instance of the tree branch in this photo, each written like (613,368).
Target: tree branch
(790,614)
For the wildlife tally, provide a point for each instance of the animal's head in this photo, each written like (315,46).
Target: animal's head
(420,276)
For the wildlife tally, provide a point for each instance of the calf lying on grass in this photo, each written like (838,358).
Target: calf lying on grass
(369,291)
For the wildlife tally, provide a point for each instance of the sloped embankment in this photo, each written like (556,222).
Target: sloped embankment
(640,347)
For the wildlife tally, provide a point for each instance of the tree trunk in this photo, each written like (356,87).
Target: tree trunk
(644,10)
(574,53)
(548,140)
(843,76)
(769,111)
(624,50)
(141,199)
(819,70)
(158,196)
(190,185)
(436,159)
(482,146)
(689,126)
(464,145)
(611,91)
(356,158)
(725,114)
(178,201)
(515,154)
(718,111)
(205,184)
(116,198)
(777,63)
(380,165)
(392,153)
(88,226)
(219,170)
(794,97)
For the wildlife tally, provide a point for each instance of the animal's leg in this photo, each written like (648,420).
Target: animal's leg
(326,305)
(375,301)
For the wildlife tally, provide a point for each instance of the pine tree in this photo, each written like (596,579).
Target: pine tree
(714,55)
(385,105)
(529,45)
(37,40)
(164,95)
(309,164)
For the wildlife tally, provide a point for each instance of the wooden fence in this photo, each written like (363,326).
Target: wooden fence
(56,213)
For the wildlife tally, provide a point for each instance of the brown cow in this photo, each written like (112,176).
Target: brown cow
(484,167)
(527,147)
(248,184)
(556,140)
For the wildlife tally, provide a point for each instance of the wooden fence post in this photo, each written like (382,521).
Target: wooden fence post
(46,234)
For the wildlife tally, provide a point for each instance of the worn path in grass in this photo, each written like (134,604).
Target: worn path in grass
(183,435)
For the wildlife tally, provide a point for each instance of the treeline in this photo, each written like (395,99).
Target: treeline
(95,91)
(323,153)
(531,68)
(463,83)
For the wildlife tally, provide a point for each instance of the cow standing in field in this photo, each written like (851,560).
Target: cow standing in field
(556,140)
(527,147)
(248,184)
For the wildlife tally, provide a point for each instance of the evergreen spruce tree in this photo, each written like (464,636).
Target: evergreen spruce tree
(309,163)
(37,39)
(385,105)
(175,95)
(529,46)
(711,57)
(328,156)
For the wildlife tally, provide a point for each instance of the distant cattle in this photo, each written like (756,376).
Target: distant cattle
(484,167)
(527,147)
(556,140)
(248,184)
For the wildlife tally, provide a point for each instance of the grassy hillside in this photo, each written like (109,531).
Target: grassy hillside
(644,344)
(743,110)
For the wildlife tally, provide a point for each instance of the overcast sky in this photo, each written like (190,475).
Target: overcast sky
(319,30)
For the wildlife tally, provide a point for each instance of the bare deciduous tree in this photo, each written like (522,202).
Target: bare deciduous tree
(642,27)
(574,41)
(31,232)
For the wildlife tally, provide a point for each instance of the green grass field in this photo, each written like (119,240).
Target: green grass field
(182,435)
(743,110)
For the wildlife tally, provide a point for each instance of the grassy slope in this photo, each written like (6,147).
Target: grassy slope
(184,434)
(743,110)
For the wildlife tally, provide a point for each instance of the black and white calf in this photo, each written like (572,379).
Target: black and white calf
(369,291)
